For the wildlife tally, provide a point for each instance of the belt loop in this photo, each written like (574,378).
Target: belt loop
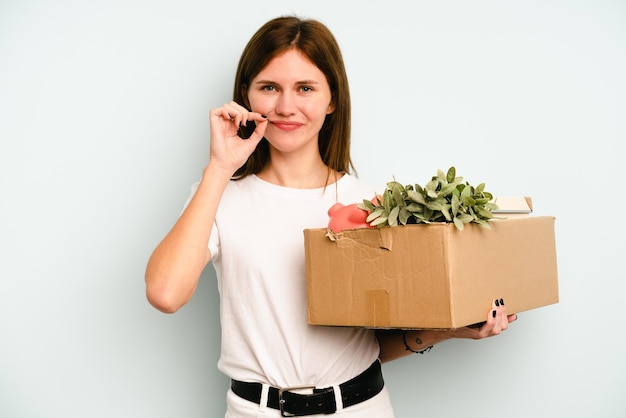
(265,389)
(338,397)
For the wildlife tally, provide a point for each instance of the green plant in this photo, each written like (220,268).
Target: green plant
(445,198)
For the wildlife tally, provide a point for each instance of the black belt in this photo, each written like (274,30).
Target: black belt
(322,401)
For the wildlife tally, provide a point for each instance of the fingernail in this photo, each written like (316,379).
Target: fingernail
(501,302)
(497,303)
(263,116)
(493,313)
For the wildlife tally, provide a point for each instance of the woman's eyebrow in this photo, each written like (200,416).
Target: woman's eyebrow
(297,82)
(308,82)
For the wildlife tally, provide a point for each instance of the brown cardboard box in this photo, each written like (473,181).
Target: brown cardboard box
(429,276)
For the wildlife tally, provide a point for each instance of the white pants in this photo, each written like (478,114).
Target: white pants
(377,407)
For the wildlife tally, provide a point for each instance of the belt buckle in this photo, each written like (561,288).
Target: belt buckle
(281,400)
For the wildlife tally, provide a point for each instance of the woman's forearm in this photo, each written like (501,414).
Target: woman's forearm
(395,344)
(398,344)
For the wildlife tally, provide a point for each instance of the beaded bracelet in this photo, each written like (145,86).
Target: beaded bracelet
(426,350)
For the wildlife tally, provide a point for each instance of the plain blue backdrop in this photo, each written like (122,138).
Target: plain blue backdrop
(104,127)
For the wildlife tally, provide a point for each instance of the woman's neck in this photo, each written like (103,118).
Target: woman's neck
(298,174)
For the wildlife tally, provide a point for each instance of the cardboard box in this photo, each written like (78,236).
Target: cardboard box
(429,276)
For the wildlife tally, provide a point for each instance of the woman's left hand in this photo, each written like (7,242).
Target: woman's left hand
(497,321)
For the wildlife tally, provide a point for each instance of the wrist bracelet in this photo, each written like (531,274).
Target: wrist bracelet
(426,350)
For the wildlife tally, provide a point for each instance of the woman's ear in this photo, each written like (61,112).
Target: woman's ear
(331,107)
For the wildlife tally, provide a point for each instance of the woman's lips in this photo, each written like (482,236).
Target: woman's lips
(286,125)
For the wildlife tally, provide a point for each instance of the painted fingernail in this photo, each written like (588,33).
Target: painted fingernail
(263,116)
(493,313)
(497,302)
(501,302)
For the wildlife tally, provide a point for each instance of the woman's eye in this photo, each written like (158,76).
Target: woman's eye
(306,89)
(268,88)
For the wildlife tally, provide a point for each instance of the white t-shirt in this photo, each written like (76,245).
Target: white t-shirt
(257,249)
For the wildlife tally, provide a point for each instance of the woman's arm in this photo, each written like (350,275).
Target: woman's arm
(176,264)
(395,344)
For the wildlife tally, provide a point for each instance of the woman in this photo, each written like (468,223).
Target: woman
(246,215)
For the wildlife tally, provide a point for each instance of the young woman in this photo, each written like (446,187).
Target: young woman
(279,158)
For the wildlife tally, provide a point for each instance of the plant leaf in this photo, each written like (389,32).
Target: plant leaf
(447,190)
(392,220)
(414,207)
(483,223)
(416,197)
(404,215)
(434,205)
(484,213)
(445,210)
(367,205)
(468,200)
(451,174)
(465,218)
(380,221)
(374,215)
(455,203)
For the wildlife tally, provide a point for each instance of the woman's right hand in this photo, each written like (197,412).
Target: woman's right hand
(227,149)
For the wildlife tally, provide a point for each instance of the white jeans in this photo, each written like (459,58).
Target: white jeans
(377,407)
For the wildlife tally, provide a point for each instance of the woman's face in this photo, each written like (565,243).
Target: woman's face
(295,96)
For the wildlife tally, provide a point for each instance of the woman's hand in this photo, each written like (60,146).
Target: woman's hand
(497,321)
(228,150)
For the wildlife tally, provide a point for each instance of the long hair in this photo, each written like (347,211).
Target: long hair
(318,44)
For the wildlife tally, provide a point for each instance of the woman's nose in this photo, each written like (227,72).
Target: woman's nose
(285,104)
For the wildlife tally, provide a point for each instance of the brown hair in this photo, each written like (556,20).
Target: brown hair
(318,44)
